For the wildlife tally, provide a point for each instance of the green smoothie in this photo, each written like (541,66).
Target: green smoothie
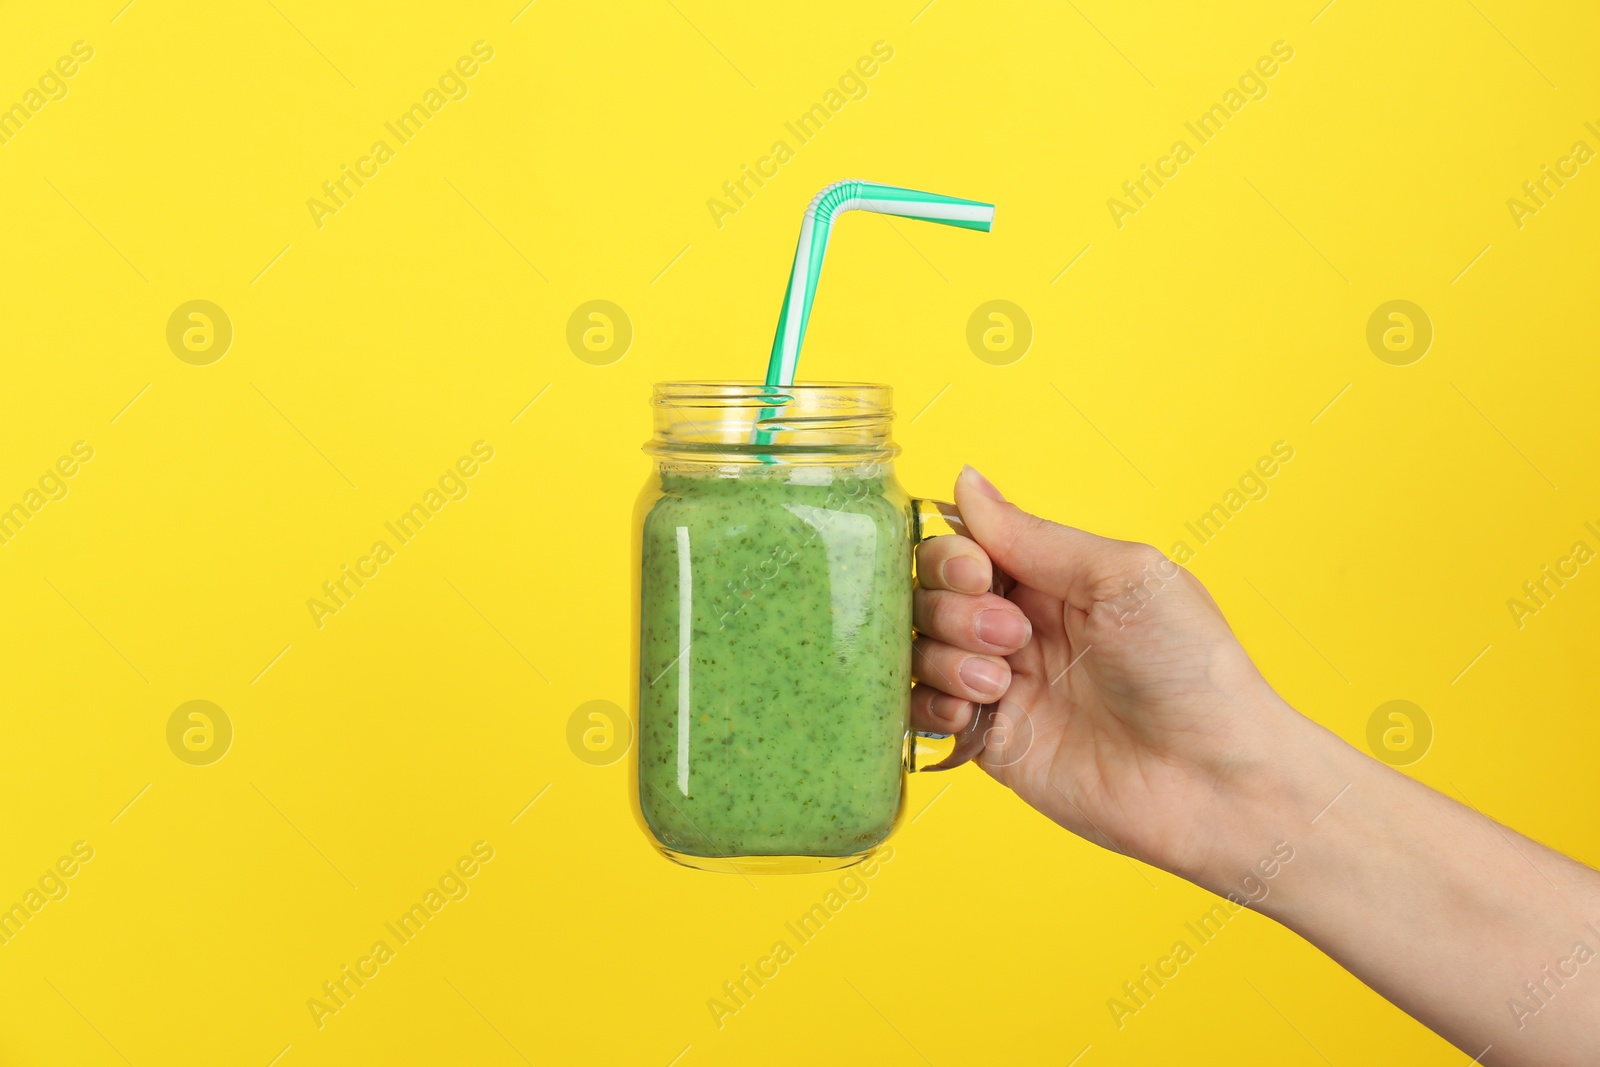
(774,680)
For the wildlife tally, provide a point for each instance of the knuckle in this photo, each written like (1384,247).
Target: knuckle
(1141,557)
(1113,586)
(1017,532)
(953,544)
(1105,618)
(1037,524)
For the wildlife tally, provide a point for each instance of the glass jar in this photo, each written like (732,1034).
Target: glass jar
(774,556)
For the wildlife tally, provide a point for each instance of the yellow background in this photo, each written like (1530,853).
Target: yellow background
(370,353)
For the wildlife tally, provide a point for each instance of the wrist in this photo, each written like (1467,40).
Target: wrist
(1278,785)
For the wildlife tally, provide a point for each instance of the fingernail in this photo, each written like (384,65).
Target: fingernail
(1001,628)
(980,483)
(964,574)
(983,676)
(948,708)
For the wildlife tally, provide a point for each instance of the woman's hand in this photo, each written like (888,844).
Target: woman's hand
(1127,711)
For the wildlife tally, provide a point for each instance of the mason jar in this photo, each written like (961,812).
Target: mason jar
(774,552)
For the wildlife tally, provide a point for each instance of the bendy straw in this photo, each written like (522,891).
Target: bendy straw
(814,233)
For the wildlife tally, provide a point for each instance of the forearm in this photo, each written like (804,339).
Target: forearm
(1490,939)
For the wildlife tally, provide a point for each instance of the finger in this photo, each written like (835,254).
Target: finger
(1051,647)
(949,669)
(955,563)
(939,713)
(985,623)
(1073,565)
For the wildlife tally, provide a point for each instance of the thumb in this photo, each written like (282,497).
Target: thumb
(1067,563)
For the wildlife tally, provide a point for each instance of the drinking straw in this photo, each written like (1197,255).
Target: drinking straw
(817,227)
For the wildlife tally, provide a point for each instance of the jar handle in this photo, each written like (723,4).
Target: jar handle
(931,518)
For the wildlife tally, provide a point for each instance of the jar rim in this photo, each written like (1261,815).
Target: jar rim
(739,416)
(749,392)
(751,383)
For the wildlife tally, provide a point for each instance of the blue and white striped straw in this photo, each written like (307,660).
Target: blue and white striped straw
(817,227)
